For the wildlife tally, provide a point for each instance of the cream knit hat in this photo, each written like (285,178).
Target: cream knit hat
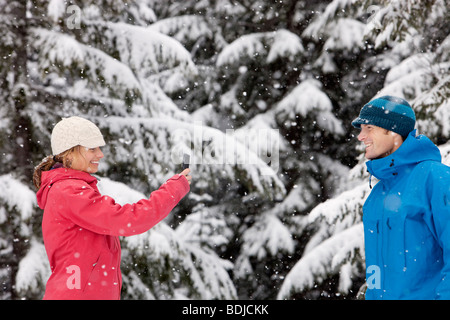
(74,131)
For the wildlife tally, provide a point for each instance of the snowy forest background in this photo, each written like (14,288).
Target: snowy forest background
(161,77)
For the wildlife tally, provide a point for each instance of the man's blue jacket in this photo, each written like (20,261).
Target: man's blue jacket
(407,224)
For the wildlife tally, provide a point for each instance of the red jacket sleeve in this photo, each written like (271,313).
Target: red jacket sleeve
(87,208)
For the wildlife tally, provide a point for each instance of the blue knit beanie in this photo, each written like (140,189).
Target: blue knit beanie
(388,112)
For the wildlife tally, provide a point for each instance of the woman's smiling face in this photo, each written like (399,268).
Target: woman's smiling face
(379,142)
(86,159)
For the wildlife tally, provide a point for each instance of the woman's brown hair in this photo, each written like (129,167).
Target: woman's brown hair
(48,162)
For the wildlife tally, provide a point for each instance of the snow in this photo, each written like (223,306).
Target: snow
(120,192)
(443,113)
(249,45)
(184,28)
(345,35)
(260,137)
(285,45)
(34,269)
(228,101)
(56,9)
(145,12)
(211,278)
(306,99)
(16,196)
(133,44)
(136,74)
(411,84)
(267,236)
(383,37)
(409,65)
(273,174)
(445,152)
(223,150)
(443,52)
(325,23)
(439,122)
(301,196)
(205,229)
(65,51)
(323,260)
(340,236)
(344,210)
(282,43)
(58,47)
(326,63)
(415,77)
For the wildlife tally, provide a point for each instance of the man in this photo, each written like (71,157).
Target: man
(407,214)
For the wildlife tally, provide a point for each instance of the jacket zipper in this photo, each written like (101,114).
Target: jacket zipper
(382,239)
(119,275)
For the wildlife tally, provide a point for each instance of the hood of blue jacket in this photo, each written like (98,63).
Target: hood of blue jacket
(415,149)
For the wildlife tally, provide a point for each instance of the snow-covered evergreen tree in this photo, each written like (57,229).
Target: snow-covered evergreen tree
(412,53)
(102,62)
(260,93)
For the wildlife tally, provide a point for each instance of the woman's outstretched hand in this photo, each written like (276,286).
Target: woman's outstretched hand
(185,173)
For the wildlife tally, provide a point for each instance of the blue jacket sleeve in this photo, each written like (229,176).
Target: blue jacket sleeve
(440,210)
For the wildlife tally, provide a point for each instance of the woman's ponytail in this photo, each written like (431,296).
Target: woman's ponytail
(48,162)
(45,165)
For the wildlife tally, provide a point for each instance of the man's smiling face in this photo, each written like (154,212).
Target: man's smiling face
(379,142)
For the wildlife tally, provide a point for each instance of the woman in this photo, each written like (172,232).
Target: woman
(80,226)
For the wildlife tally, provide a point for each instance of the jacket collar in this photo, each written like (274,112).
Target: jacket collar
(415,149)
(48,178)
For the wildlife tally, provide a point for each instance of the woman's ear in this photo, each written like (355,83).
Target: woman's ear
(69,157)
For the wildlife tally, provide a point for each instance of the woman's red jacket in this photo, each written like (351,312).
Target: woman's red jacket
(81,230)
